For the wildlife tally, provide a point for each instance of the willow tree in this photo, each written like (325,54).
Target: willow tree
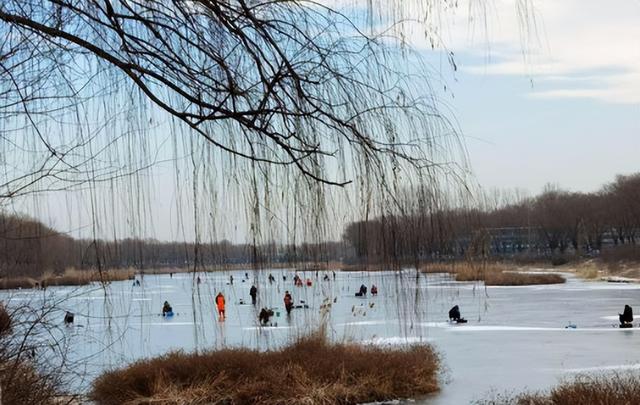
(294,98)
(294,95)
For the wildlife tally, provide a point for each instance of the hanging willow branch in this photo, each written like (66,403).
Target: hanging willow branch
(288,83)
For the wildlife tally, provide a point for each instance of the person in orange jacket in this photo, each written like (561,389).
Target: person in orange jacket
(220,305)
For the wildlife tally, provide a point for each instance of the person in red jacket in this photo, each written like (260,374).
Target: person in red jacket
(374,290)
(288,302)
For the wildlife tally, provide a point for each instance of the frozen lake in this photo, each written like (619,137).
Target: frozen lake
(515,339)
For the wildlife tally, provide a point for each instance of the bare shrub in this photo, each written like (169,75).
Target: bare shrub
(22,380)
(22,384)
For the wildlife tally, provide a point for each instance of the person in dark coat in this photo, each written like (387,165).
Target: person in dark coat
(68,318)
(627,316)
(363,290)
(265,316)
(454,314)
(253,292)
(166,308)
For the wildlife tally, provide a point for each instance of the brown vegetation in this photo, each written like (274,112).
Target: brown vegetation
(586,389)
(13,283)
(492,274)
(71,277)
(515,278)
(588,270)
(366,267)
(310,371)
(21,382)
(83,277)
(23,385)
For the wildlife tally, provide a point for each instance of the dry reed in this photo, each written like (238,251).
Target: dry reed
(494,274)
(310,371)
(606,389)
(14,283)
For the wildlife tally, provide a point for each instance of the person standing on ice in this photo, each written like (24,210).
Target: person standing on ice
(253,292)
(220,304)
(288,302)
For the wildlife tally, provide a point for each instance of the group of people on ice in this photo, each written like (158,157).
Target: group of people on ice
(265,315)
(363,290)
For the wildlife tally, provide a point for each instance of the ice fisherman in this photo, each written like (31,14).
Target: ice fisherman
(626,317)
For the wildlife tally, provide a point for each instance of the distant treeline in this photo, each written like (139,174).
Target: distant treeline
(553,223)
(29,248)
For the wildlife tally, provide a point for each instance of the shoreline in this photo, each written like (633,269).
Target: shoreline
(490,272)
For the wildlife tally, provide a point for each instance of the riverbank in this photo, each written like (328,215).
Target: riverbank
(311,370)
(491,273)
(621,271)
(75,277)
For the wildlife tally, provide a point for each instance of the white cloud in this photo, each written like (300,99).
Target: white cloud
(571,48)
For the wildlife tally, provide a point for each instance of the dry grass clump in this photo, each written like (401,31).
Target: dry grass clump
(310,371)
(367,267)
(608,389)
(73,277)
(13,283)
(70,277)
(515,279)
(83,277)
(588,270)
(492,274)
